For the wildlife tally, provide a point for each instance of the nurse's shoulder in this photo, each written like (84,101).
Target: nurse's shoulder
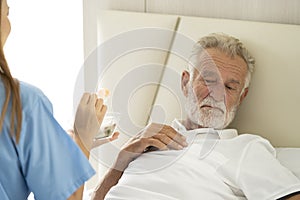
(32,96)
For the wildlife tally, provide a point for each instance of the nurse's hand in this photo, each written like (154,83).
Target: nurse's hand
(89,116)
(98,142)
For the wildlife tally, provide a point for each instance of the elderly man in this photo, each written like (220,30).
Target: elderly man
(198,158)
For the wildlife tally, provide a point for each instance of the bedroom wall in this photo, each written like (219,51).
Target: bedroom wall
(274,11)
(277,11)
(287,12)
(92,8)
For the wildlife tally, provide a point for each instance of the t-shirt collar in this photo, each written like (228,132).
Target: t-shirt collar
(223,133)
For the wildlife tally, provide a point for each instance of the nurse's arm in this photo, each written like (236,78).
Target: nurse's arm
(96,143)
(77,195)
(89,116)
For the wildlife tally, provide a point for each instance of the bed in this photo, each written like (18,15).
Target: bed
(140,57)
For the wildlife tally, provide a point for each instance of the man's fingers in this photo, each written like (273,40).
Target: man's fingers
(157,143)
(168,141)
(154,129)
(177,137)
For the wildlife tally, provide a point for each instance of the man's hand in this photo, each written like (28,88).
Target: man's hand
(152,137)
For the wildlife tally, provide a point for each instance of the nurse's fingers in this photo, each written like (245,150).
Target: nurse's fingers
(85,98)
(100,110)
(101,141)
(92,100)
(99,104)
(101,113)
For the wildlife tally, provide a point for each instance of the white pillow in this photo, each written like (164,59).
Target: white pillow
(290,158)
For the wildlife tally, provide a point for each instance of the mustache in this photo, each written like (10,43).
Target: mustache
(210,102)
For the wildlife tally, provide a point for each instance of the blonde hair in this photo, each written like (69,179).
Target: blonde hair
(12,94)
(227,44)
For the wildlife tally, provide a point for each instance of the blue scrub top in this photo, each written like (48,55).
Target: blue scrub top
(46,161)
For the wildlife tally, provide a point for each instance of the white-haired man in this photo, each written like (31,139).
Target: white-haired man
(203,159)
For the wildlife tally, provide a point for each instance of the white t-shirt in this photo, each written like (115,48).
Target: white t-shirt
(215,165)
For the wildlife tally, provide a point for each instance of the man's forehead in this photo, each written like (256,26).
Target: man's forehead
(205,63)
(211,56)
(201,60)
(213,59)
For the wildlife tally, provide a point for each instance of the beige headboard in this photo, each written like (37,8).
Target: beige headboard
(272,107)
(140,57)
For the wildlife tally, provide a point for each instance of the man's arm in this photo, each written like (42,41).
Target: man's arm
(294,196)
(161,137)
(110,179)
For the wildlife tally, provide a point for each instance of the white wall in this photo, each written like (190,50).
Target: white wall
(45,48)
(254,10)
(278,11)
(274,11)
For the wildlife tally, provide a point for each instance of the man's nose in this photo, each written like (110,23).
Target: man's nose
(216,91)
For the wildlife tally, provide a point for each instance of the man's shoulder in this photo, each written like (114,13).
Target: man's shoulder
(248,137)
(247,140)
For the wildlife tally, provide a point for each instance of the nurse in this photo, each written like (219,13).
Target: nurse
(36,154)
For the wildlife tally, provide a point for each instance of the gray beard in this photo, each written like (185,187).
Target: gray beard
(205,117)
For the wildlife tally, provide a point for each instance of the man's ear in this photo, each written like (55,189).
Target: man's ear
(185,78)
(245,92)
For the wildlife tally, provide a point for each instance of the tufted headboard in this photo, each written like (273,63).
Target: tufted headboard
(140,58)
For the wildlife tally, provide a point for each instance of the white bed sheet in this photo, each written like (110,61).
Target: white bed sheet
(290,158)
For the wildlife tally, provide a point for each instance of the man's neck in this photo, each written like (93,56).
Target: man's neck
(190,125)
